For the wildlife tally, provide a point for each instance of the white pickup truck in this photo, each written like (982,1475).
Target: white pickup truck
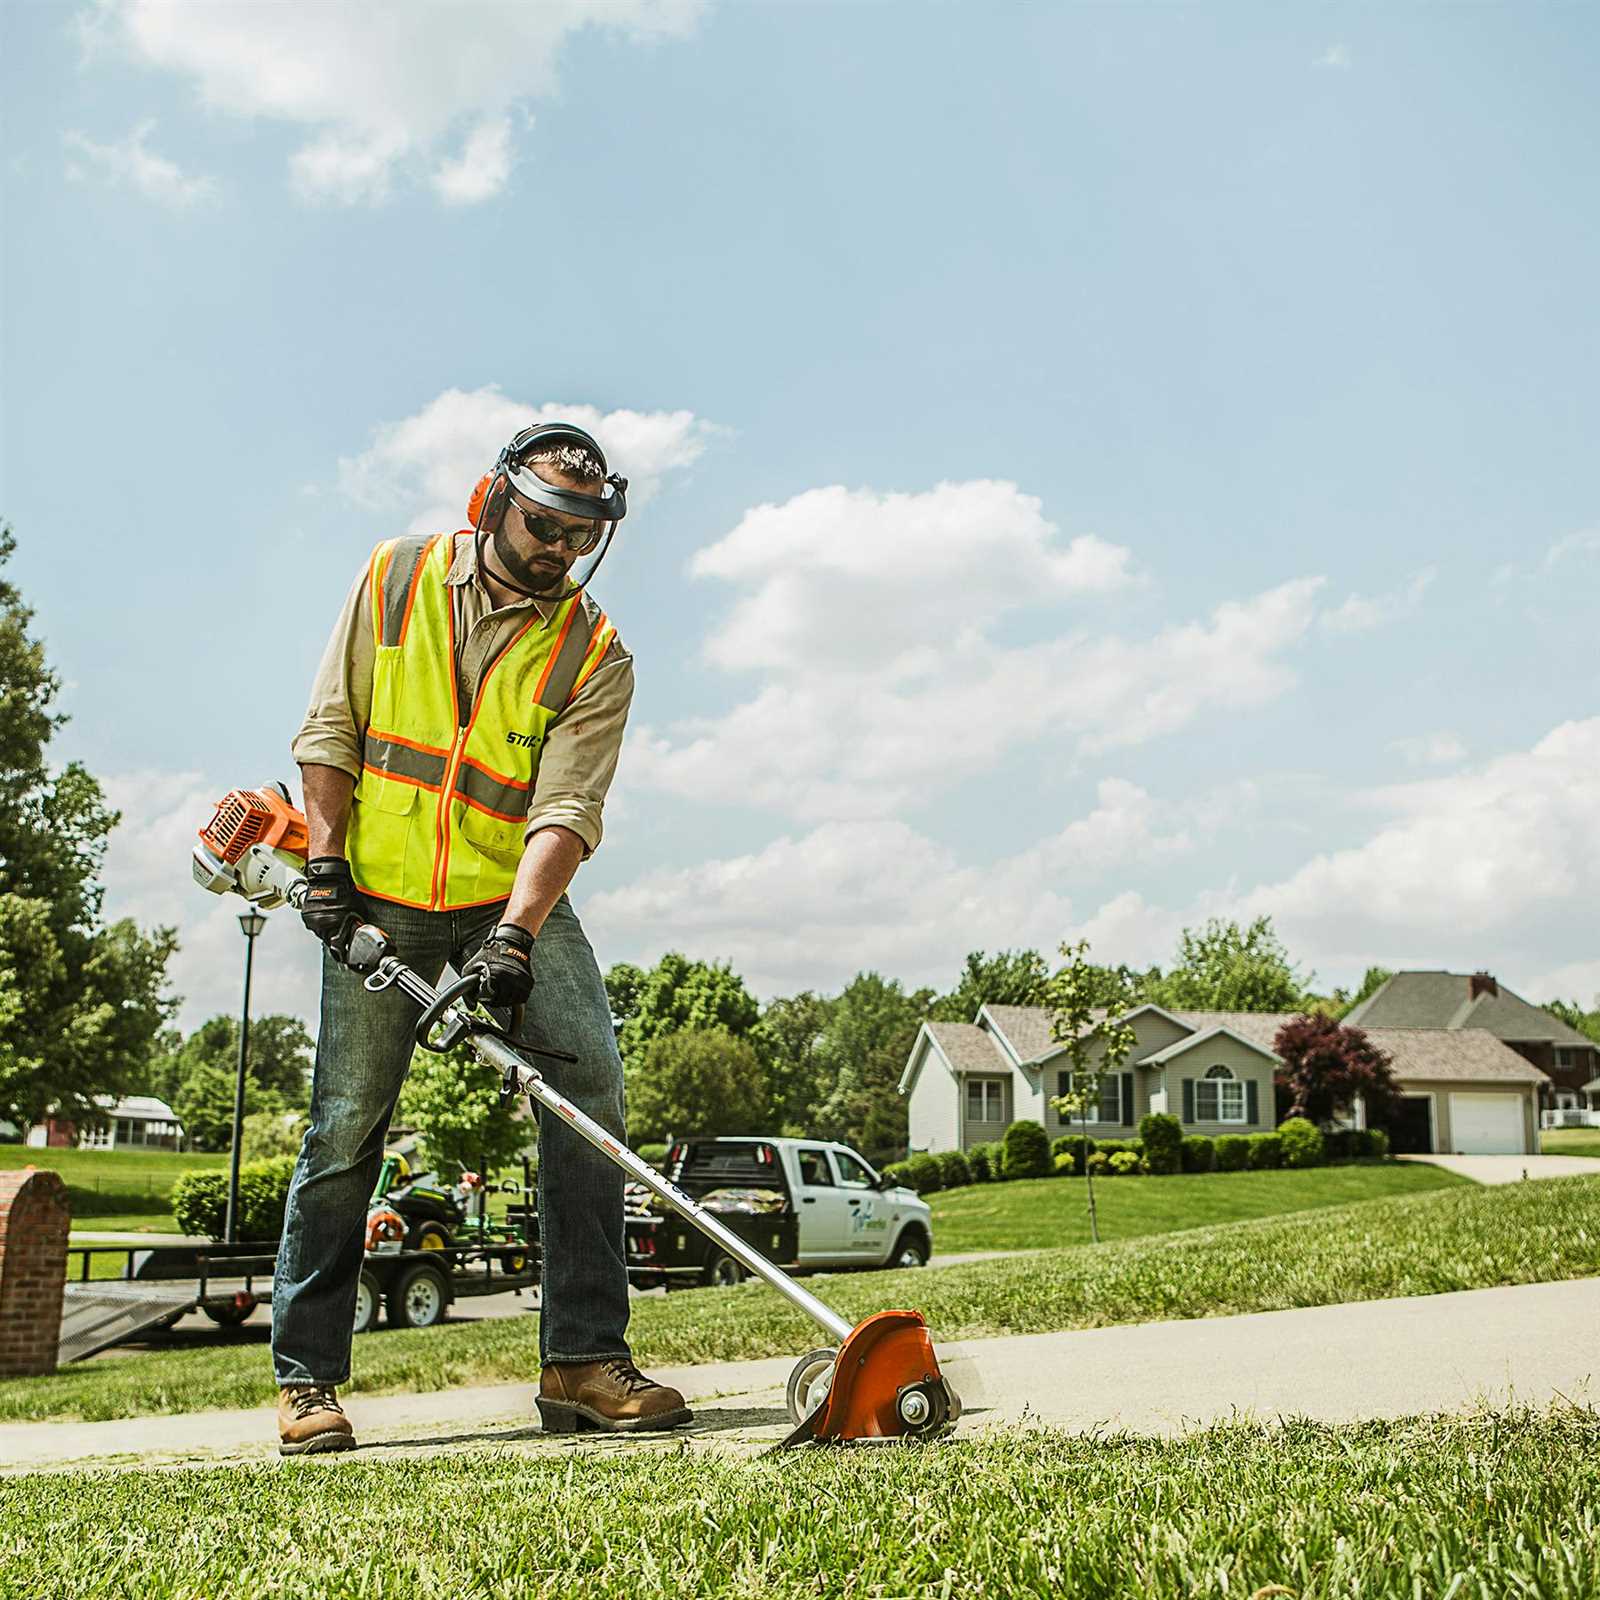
(804,1203)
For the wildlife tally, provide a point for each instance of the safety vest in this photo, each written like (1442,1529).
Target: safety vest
(440,807)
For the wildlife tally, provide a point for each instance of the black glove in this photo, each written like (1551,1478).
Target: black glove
(331,907)
(504,966)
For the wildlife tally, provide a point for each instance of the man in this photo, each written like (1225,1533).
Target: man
(463,730)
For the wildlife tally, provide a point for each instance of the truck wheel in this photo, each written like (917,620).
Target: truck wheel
(368,1299)
(910,1249)
(232,1314)
(721,1271)
(418,1298)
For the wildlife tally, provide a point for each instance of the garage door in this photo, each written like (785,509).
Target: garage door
(1486,1124)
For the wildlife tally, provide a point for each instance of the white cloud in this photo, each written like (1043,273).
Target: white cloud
(133,165)
(425,465)
(904,643)
(1577,980)
(1362,613)
(377,92)
(1336,56)
(147,878)
(1430,749)
(1581,544)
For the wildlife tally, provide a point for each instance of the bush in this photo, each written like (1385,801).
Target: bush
(1066,1164)
(265,1134)
(978,1164)
(1378,1143)
(200,1200)
(1341,1144)
(1097,1162)
(1302,1144)
(1119,1146)
(1026,1152)
(1233,1152)
(899,1172)
(1070,1151)
(655,1154)
(1125,1163)
(924,1173)
(993,1151)
(1266,1152)
(1199,1153)
(1162,1138)
(954,1170)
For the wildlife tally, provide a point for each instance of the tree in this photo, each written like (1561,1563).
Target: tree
(863,1049)
(698,1082)
(1011,978)
(1570,1012)
(453,1103)
(1223,967)
(1374,980)
(679,993)
(624,983)
(204,1104)
(278,1064)
(1327,1064)
(1088,1023)
(80,1002)
(789,1039)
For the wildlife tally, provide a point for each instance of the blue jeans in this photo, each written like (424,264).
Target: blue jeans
(363,1051)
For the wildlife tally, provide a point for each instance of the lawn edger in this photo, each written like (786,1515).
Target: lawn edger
(877,1380)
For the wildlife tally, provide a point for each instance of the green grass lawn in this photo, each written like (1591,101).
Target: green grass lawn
(1570,1141)
(129,1190)
(1465,1237)
(1471,1509)
(1039,1213)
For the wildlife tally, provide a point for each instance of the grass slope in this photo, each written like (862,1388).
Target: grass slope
(1570,1141)
(1460,1238)
(124,1189)
(1483,1507)
(1041,1213)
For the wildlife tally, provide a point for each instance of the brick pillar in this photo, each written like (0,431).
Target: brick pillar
(34,1219)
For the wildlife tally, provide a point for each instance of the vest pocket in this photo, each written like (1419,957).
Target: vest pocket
(500,841)
(386,794)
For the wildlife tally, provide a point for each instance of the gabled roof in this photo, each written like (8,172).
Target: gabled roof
(1194,1040)
(1024,1030)
(1465,1055)
(1445,1000)
(962,1047)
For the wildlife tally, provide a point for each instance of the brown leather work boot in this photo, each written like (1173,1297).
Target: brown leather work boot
(311,1421)
(613,1396)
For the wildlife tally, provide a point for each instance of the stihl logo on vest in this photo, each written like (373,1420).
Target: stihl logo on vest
(528,741)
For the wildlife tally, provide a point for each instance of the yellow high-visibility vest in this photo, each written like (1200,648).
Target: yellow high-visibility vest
(442,800)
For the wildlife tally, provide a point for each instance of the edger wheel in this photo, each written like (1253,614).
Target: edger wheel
(809,1383)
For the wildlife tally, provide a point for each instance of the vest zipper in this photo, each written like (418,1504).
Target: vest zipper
(447,789)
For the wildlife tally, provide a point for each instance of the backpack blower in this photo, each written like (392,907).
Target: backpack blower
(877,1380)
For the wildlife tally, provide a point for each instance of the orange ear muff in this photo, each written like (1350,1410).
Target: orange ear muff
(475,501)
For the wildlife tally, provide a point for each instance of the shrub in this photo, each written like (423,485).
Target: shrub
(1097,1162)
(655,1154)
(1266,1152)
(1341,1144)
(978,1163)
(899,1172)
(1066,1164)
(1233,1152)
(1114,1147)
(1302,1144)
(924,1173)
(1378,1143)
(1199,1153)
(1162,1137)
(954,1170)
(1027,1151)
(1125,1163)
(200,1200)
(1070,1151)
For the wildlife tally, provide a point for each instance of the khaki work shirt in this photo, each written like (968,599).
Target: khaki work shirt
(579,758)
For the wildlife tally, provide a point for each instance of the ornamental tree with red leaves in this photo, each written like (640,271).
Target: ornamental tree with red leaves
(1326,1065)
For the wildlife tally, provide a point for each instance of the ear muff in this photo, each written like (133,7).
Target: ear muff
(475,500)
(487,502)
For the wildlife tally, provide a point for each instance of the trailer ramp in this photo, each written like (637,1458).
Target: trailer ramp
(111,1311)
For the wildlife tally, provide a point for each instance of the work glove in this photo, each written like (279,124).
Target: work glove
(331,907)
(503,964)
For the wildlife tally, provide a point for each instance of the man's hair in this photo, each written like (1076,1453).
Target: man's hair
(574,459)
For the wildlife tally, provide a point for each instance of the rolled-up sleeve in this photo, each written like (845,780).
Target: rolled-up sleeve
(341,694)
(580,752)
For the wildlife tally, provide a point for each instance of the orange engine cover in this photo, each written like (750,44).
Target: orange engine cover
(879,1358)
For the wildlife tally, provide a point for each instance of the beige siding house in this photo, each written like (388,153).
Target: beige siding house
(1464,1090)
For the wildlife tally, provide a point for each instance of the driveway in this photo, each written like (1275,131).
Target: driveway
(1512,1169)
(1530,1344)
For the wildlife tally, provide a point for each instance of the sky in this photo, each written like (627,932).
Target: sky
(1097,467)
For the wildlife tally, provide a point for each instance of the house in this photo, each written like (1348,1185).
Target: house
(1459,1000)
(1466,1091)
(136,1122)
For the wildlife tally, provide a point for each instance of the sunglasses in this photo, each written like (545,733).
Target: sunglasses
(548,531)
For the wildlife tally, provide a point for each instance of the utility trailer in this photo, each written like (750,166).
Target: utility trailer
(160,1284)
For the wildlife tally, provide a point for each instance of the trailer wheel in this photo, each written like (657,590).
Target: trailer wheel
(721,1271)
(418,1298)
(233,1313)
(368,1299)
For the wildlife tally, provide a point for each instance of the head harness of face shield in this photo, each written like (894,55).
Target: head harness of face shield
(512,474)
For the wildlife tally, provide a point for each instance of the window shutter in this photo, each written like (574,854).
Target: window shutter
(1127,1100)
(1252,1101)
(1188,1099)
(1063,1084)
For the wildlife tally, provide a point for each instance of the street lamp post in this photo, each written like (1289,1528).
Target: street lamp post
(251,923)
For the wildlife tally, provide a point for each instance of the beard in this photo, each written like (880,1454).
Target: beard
(546,576)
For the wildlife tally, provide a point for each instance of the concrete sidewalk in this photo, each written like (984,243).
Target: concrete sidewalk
(1530,1344)
(1512,1169)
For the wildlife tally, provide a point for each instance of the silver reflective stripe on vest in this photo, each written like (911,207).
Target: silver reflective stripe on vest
(404,560)
(509,799)
(395,760)
(569,661)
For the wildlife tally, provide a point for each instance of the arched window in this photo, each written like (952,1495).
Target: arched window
(1219,1096)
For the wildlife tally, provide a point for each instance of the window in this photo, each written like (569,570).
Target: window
(852,1175)
(1109,1108)
(814,1173)
(985,1100)
(1219,1097)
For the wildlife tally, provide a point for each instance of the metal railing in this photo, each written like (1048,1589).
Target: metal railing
(1569,1117)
